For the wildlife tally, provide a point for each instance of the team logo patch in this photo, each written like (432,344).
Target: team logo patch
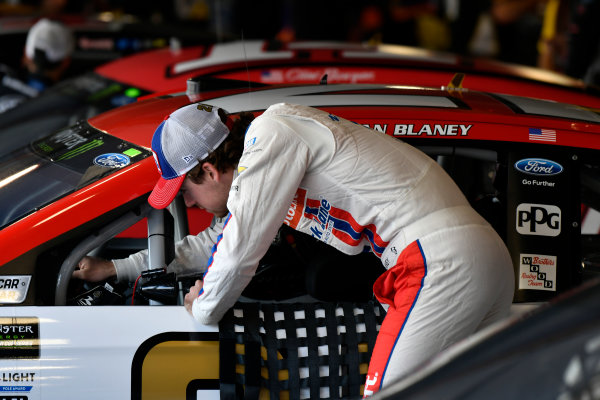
(249,143)
(112,160)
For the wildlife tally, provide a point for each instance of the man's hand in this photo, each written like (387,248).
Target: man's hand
(94,269)
(192,295)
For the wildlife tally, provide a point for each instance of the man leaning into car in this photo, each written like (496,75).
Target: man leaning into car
(448,273)
(193,251)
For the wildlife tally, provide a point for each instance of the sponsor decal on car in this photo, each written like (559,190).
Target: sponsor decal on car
(538,166)
(19,383)
(424,129)
(81,149)
(69,139)
(112,160)
(538,219)
(537,182)
(19,338)
(537,272)
(13,288)
(121,100)
(17,377)
(132,152)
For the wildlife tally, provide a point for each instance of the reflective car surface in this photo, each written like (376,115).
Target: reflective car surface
(526,165)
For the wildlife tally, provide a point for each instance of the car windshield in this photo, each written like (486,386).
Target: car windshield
(75,99)
(60,163)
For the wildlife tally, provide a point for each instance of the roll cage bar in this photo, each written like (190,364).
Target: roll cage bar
(164,228)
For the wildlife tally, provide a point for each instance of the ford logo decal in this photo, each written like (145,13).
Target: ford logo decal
(538,166)
(112,160)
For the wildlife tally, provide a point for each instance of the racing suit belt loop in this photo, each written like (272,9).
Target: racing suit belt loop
(445,218)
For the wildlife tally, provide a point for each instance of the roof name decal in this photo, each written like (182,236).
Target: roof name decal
(300,74)
(425,129)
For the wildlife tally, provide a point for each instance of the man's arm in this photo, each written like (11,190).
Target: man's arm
(272,166)
(191,255)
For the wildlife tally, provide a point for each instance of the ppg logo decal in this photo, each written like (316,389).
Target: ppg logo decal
(538,219)
(538,166)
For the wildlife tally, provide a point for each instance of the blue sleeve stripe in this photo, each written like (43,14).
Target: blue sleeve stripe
(214,250)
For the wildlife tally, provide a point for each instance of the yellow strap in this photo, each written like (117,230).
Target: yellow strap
(549,23)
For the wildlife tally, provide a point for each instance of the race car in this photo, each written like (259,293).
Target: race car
(525,164)
(258,62)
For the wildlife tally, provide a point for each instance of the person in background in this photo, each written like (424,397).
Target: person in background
(48,50)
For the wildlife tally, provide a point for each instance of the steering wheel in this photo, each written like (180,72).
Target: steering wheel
(88,244)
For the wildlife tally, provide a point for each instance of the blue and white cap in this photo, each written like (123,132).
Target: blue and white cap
(185,138)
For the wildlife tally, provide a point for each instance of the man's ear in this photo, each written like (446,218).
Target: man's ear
(211,171)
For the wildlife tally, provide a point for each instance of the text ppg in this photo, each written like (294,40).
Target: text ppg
(538,219)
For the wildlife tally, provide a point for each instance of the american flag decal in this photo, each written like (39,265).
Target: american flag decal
(543,135)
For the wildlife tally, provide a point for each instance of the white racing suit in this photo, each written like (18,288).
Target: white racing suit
(191,255)
(448,272)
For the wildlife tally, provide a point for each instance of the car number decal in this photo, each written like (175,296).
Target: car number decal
(196,355)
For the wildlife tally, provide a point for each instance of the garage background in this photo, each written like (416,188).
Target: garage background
(552,34)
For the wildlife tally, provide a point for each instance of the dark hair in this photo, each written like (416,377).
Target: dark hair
(229,152)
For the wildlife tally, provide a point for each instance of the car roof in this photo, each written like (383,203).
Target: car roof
(305,62)
(259,62)
(394,105)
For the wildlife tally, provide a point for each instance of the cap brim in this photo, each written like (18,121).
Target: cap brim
(165,191)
